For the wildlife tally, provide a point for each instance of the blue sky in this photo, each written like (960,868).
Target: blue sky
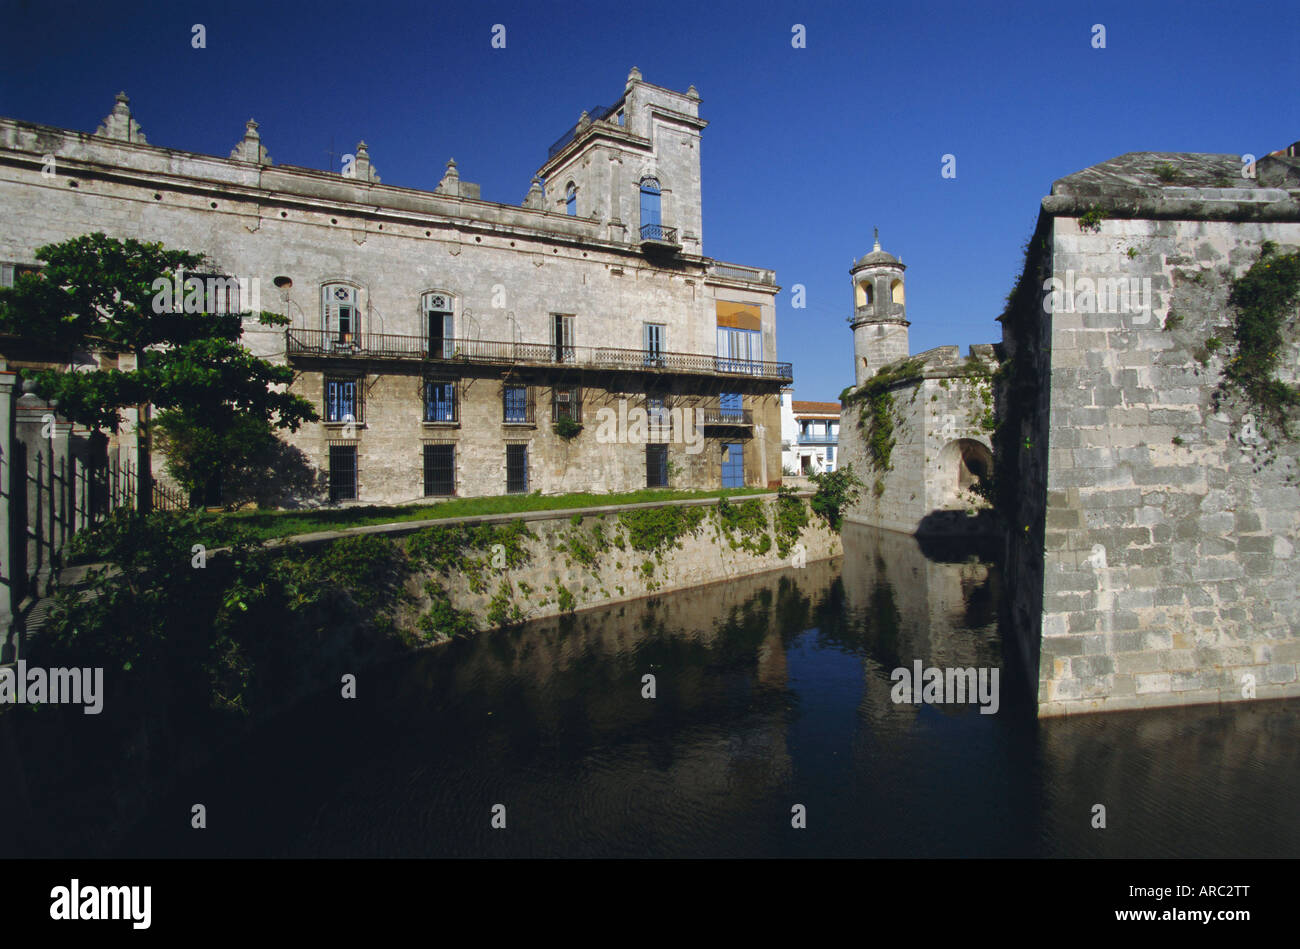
(807,149)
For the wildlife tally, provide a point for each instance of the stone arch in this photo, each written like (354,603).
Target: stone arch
(896,290)
(863,293)
(961,465)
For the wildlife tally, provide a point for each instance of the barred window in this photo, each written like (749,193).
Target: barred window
(656,466)
(566,403)
(439,470)
(516,469)
(342,399)
(517,404)
(439,400)
(343,472)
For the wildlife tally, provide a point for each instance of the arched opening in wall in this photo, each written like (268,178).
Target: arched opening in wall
(896,291)
(439,308)
(863,295)
(963,465)
(571,199)
(340,316)
(651,222)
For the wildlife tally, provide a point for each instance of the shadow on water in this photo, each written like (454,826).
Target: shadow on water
(771,692)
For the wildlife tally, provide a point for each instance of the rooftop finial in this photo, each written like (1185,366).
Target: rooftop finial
(876,230)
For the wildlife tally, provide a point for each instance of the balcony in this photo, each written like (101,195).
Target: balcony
(818,439)
(728,417)
(658,237)
(303,344)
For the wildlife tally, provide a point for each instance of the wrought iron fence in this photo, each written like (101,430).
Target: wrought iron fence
(657,232)
(315,343)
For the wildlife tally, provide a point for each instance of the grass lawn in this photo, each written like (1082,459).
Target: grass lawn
(270,524)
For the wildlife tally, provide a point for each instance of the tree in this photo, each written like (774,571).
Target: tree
(101,293)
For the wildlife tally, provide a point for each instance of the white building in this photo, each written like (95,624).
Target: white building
(810,434)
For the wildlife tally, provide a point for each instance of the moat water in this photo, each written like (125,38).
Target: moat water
(771,692)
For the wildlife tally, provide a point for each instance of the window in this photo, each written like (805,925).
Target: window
(516,469)
(439,400)
(730,407)
(830,454)
(517,405)
(439,470)
(343,472)
(340,318)
(342,400)
(220,293)
(439,323)
(571,200)
(562,337)
(739,350)
(652,339)
(651,228)
(9,273)
(566,402)
(656,466)
(659,421)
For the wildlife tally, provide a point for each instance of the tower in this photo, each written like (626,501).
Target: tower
(879,312)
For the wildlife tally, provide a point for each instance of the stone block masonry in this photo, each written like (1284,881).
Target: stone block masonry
(1168,521)
(583,559)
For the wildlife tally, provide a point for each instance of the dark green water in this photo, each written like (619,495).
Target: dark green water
(772,691)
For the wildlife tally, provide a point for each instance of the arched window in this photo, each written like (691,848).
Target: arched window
(866,293)
(340,315)
(896,291)
(650,220)
(571,200)
(439,322)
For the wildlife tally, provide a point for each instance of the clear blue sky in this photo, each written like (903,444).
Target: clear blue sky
(807,149)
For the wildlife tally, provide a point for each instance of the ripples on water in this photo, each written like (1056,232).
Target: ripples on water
(772,691)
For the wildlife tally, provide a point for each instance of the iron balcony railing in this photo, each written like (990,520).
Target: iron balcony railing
(659,233)
(301,343)
(595,114)
(716,416)
(820,439)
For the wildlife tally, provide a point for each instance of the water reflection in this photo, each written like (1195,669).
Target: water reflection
(772,691)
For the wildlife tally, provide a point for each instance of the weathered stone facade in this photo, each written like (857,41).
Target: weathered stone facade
(941,413)
(936,408)
(1151,552)
(643,316)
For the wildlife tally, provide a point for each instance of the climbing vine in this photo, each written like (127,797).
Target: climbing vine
(656,528)
(748,519)
(1264,298)
(790,519)
(876,412)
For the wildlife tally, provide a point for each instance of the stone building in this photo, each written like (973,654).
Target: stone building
(916,429)
(1153,514)
(452,345)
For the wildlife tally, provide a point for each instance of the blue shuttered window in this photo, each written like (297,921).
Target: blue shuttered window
(341,403)
(440,401)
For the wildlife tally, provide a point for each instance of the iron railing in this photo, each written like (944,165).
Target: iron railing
(302,343)
(818,439)
(715,416)
(595,113)
(659,233)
